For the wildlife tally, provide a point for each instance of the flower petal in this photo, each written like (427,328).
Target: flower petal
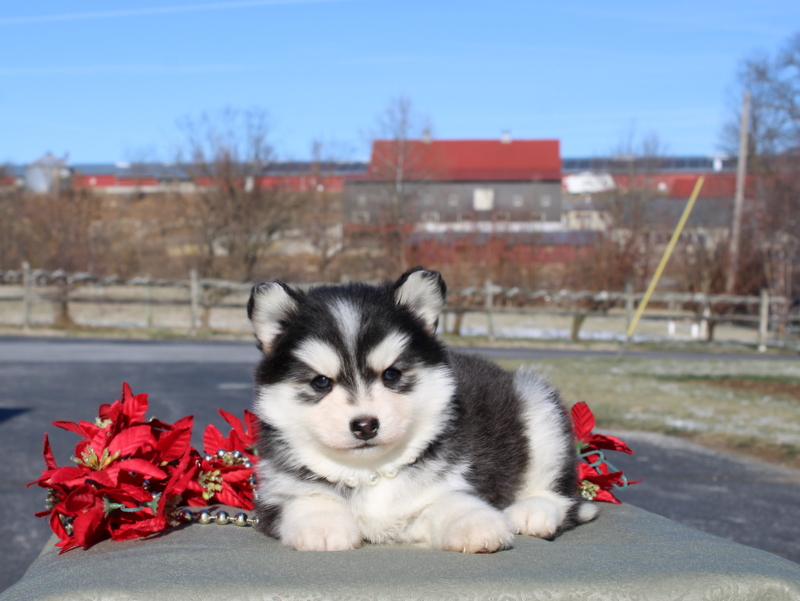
(133,406)
(213,440)
(583,421)
(132,440)
(140,466)
(612,443)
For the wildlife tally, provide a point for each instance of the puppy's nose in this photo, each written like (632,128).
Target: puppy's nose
(365,428)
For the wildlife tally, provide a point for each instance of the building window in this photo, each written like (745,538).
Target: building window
(545,200)
(430,216)
(517,201)
(453,200)
(361,200)
(502,216)
(483,199)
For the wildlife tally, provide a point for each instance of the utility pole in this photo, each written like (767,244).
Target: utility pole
(741,173)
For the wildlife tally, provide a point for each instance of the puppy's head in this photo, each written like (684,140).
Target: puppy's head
(354,373)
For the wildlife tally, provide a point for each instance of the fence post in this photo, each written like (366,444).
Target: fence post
(671,326)
(629,301)
(194,293)
(763,321)
(490,309)
(26,295)
(710,323)
(577,322)
(149,306)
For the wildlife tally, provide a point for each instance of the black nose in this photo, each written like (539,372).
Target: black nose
(365,428)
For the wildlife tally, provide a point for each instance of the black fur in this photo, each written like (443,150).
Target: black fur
(489,431)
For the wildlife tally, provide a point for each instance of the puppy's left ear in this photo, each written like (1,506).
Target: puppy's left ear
(422,292)
(271,306)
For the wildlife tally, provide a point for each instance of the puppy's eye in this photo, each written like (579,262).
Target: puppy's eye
(321,383)
(391,375)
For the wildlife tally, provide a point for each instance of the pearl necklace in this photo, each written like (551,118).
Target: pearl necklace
(221,517)
(372,479)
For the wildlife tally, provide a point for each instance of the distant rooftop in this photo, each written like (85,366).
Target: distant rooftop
(675,164)
(468,160)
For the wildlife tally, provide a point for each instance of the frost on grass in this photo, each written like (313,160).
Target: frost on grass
(677,395)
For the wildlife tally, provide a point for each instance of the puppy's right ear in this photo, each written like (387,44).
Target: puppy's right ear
(270,306)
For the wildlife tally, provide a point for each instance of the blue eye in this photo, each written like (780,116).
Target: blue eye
(321,383)
(391,375)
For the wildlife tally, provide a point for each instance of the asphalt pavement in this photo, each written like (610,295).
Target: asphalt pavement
(745,500)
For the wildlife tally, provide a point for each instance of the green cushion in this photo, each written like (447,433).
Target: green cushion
(627,553)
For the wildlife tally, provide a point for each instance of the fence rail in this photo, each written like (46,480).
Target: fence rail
(25,293)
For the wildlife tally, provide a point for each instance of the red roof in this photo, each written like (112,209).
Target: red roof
(680,185)
(719,185)
(467,160)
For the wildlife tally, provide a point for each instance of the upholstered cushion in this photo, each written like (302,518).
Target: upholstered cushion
(626,553)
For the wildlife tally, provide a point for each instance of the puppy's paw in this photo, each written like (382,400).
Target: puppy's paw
(322,537)
(537,516)
(480,530)
(319,525)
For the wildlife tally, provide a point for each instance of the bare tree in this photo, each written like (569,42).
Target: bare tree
(625,252)
(321,217)
(773,219)
(9,203)
(62,230)
(231,211)
(399,163)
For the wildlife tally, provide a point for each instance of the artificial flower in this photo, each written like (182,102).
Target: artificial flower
(129,475)
(596,476)
(225,474)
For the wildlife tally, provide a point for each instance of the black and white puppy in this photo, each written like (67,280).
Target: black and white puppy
(373,431)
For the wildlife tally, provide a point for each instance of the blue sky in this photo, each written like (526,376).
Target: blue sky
(108,80)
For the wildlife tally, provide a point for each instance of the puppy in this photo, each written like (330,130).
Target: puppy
(373,431)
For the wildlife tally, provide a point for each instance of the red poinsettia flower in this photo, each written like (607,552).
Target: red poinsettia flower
(129,476)
(597,486)
(596,476)
(226,474)
(583,423)
(218,481)
(243,437)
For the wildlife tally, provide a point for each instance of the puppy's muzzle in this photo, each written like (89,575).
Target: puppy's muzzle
(365,428)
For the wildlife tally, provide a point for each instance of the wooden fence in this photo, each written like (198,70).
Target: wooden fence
(195,299)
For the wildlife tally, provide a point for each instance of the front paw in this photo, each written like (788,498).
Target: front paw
(537,516)
(481,530)
(322,537)
(319,525)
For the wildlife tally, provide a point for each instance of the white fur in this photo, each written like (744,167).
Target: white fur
(421,293)
(539,511)
(348,318)
(545,441)
(386,511)
(318,523)
(271,305)
(386,353)
(457,521)
(539,515)
(587,512)
(319,356)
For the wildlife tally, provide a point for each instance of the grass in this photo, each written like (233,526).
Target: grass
(743,406)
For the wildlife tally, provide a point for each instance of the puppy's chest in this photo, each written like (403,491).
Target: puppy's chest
(386,510)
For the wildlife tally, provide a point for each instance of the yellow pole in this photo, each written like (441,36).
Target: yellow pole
(657,275)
